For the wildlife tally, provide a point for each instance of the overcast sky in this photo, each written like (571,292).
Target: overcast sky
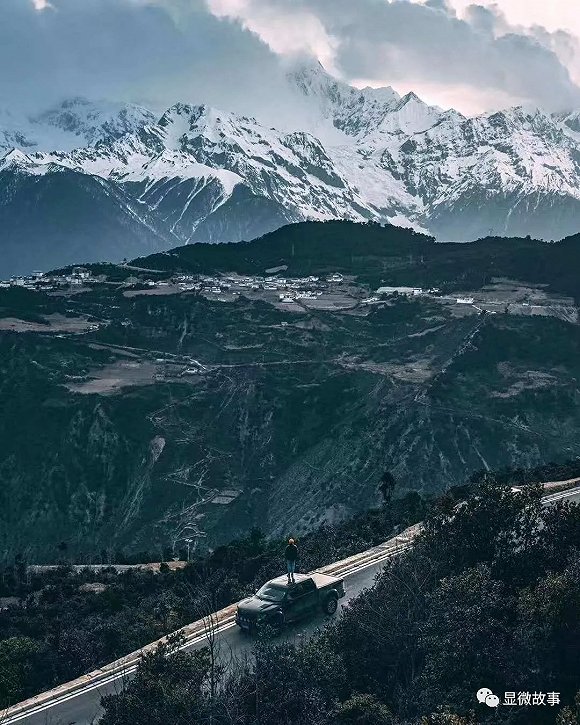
(232,53)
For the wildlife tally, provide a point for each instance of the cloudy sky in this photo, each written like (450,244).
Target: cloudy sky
(232,53)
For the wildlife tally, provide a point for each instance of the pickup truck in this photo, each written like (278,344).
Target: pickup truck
(278,602)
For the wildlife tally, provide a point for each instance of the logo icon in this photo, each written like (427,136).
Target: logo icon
(486,697)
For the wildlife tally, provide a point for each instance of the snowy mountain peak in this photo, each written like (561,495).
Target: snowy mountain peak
(382,94)
(520,120)
(410,97)
(410,115)
(184,126)
(199,173)
(14,157)
(37,165)
(200,117)
(74,123)
(180,109)
(367,112)
(352,110)
(90,122)
(314,80)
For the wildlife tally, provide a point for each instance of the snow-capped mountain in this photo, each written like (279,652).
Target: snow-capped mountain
(73,123)
(365,112)
(196,173)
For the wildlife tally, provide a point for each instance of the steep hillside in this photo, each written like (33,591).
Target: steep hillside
(138,413)
(53,213)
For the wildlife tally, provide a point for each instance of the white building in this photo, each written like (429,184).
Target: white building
(408,291)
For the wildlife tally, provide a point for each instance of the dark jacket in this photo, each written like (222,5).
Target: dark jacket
(291,553)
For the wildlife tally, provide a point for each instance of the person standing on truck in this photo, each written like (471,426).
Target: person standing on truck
(291,554)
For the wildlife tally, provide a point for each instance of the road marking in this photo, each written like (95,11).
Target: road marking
(370,562)
(560,496)
(129,670)
(381,559)
(227,624)
(374,557)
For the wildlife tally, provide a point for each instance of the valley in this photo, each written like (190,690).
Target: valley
(197,393)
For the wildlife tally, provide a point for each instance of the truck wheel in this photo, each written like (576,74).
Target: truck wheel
(331,604)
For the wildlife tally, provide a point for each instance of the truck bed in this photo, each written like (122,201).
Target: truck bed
(324,580)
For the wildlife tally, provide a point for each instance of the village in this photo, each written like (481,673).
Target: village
(331,292)
(224,288)
(41,282)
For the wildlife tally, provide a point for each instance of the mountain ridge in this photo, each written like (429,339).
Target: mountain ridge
(205,174)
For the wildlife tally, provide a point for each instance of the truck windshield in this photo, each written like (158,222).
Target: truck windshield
(271,593)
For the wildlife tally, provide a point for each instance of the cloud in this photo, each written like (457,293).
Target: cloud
(427,45)
(231,53)
(553,15)
(286,30)
(138,50)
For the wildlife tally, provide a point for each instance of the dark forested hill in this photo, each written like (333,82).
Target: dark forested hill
(387,254)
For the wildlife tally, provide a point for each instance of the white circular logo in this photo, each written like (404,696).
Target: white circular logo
(483,693)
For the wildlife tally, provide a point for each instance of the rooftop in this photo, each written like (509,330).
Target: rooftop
(282,581)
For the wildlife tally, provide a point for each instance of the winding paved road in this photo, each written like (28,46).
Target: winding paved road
(81,706)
